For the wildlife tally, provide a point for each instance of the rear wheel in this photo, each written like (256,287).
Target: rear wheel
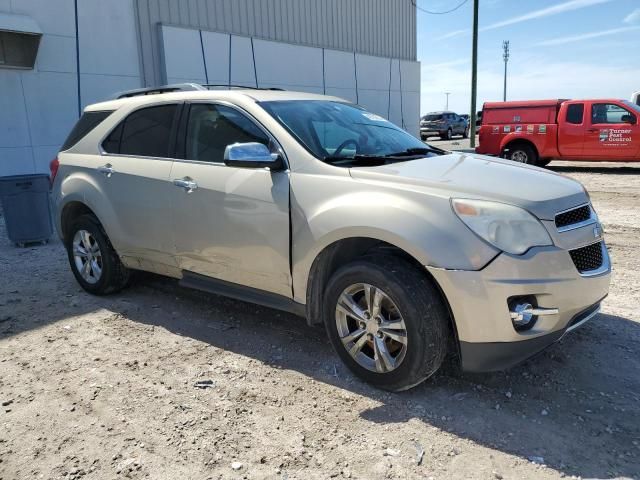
(94,262)
(465,134)
(522,153)
(386,321)
(447,135)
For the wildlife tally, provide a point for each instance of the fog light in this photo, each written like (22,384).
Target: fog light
(524,315)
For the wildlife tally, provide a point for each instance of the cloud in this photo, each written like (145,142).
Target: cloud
(454,33)
(546,12)
(585,36)
(633,17)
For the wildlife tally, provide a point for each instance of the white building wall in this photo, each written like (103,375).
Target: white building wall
(39,107)
(388,87)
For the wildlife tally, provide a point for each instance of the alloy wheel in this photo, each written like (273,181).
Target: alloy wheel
(371,328)
(87,256)
(519,156)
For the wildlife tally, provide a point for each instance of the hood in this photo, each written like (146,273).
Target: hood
(542,192)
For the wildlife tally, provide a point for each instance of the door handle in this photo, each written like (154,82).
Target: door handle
(186,183)
(593,130)
(107,170)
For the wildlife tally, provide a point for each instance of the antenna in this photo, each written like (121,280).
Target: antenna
(505,57)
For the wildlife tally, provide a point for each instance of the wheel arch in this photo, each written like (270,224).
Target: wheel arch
(512,142)
(345,250)
(70,212)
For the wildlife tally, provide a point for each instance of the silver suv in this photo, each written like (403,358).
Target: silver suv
(444,125)
(310,204)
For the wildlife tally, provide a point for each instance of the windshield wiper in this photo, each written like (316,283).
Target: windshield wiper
(357,157)
(417,151)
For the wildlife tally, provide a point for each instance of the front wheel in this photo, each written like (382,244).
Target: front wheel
(93,260)
(386,321)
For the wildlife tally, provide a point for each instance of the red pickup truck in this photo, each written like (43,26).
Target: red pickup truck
(539,131)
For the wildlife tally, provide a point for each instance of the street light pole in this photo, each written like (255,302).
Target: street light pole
(447,104)
(474,74)
(505,56)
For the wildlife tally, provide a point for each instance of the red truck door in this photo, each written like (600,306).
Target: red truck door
(612,132)
(571,129)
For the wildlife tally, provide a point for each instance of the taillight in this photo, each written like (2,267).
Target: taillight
(53,166)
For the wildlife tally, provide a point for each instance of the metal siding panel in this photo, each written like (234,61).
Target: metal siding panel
(384,28)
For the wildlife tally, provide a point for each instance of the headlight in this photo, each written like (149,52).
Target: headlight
(507,227)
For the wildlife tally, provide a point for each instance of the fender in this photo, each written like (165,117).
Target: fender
(422,229)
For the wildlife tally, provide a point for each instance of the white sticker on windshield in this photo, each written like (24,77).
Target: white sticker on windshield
(373,116)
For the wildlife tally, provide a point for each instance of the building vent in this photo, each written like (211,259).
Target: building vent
(19,41)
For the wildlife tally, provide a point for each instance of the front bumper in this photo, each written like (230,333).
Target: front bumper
(478,302)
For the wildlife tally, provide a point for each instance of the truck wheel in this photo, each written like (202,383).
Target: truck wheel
(94,262)
(523,153)
(447,136)
(386,321)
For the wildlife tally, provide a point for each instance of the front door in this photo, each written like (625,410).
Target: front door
(614,133)
(229,223)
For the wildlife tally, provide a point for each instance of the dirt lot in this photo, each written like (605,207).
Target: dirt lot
(107,387)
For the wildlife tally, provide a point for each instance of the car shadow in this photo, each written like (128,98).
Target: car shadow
(617,169)
(549,407)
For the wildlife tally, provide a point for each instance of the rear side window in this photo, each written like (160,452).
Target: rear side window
(575,112)
(87,122)
(146,132)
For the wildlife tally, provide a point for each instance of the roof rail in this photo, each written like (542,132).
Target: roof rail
(226,85)
(177,87)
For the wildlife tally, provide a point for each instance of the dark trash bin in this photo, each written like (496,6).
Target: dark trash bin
(26,207)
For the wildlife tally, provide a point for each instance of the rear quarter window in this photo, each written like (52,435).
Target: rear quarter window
(87,122)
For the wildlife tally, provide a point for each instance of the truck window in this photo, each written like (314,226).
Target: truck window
(607,113)
(575,112)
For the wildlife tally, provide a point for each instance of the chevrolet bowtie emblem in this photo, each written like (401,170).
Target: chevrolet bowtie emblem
(596,232)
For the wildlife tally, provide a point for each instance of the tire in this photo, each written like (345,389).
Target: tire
(447,135)
(465,134)
(523,153)
(423,138)
(105,272)
(407,299)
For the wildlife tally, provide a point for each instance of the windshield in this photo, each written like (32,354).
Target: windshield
(432,117)
(331,130)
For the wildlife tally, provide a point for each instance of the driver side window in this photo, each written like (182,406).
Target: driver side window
(210,128)
(608,113)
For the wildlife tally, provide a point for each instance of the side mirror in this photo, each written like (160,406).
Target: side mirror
(251,155)
(628,119)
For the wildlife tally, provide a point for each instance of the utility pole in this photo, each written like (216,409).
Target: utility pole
(474,75)
(447,104)
(505,56)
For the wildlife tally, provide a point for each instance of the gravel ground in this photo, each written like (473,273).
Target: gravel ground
(165,383)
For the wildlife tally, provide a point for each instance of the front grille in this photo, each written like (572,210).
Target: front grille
(587,258)
(571,217)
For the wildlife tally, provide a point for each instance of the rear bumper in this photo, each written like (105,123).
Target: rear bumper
(479,304)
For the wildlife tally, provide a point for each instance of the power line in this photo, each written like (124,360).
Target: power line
(413,2)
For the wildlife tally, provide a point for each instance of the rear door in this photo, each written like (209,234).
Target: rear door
(134,172)
(613,132)
(230,223)
(571,129)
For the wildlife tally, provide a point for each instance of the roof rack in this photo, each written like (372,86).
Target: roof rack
(182,87)
(230,86)
(176,87)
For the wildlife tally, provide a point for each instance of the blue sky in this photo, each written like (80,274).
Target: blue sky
(559,49)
